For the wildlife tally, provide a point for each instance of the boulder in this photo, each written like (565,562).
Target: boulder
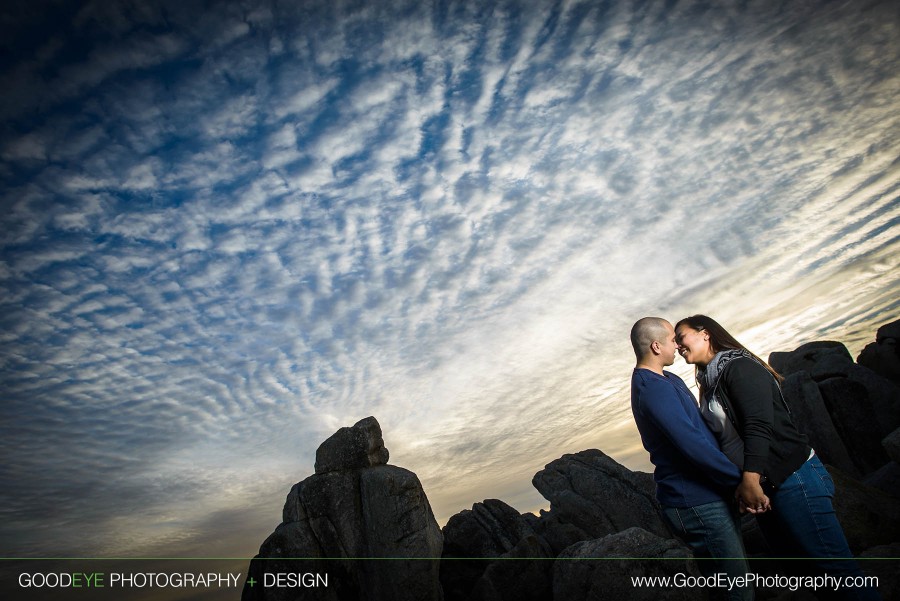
(598,496)
(868,516)
(472,538)
(587,571)
(811,417)
(883,394)
(351,448)
(363,510)
(557,533)
(881,562)
(822,360)
(886,479)
(883,355)
(853,414)
(525,573)
(891,445)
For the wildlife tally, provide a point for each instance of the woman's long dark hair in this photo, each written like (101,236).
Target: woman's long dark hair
(720,339)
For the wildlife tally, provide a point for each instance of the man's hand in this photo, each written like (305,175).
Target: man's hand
(750,495)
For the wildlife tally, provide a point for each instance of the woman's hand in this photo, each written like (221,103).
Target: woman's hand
(750,495)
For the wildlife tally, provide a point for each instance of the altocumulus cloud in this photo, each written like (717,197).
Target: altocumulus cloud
(226,233)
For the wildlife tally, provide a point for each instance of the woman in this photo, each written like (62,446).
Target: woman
(783,482)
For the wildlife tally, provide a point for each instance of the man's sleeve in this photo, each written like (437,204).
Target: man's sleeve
(749,391)
(667,411)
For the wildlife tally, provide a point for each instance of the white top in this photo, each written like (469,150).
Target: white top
(729,440)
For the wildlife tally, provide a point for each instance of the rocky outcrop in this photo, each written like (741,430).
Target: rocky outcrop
(491,530)
(354,509)
(598,496)
(868,516)
(591,496)
(860,406)
(812,417)
(631,553)
(883,355)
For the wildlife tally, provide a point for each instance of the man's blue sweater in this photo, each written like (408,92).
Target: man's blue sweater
(689,467)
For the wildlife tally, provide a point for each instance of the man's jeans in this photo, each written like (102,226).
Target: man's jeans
(802,523)
(713,532)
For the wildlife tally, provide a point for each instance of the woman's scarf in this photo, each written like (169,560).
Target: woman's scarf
(709,376)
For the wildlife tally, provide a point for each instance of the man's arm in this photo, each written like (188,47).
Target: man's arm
(666,410)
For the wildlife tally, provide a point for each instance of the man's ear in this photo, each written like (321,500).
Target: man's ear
(654,347)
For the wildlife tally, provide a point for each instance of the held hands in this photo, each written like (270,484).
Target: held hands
(750,496)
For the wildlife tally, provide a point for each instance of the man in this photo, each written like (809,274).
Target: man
(695,481)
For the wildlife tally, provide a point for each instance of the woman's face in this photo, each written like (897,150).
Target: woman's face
(693,345)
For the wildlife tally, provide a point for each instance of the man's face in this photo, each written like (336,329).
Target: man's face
(667,346)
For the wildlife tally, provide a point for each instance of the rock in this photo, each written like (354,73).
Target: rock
(349,448)
(868,516)
(884,395)
(594,493)
(886,479)
(822,360)
(578,577)
(883,355)
(854,417)
(891,445)
(369,510)
(490,530)
(811,417)
(881,562)
(527,576)
(557,533)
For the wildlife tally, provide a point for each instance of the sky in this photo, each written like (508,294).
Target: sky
(228,229)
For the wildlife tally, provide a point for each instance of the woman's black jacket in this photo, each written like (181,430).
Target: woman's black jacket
(752,400)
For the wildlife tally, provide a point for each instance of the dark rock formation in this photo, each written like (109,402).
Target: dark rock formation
(812,418)
(350,448)
(525,573)
(881,562)
(822,359)
(853,414)
(598,496)
(883,355)
(858,401)
(357,512)
(891,444)
(576,578)
(868,516)
(491,530)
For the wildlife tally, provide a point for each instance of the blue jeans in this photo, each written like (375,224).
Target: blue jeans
(713,532)
(802,523)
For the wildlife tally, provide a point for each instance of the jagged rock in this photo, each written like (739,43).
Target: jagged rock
(854,417)
(489,530)
(526,576)
(891,445)
(822,360)
(884,395)
(811,417)
(349,448)
(557,533)
(365,511)
(599,496)
(886,479)
(576,577)
(868,516)
(883,355)
(881,562)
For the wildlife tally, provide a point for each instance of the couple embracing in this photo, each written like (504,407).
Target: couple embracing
(739,452)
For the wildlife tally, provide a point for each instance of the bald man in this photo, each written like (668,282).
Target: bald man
(695,481)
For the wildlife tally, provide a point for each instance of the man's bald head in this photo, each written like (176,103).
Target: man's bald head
(645,332)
